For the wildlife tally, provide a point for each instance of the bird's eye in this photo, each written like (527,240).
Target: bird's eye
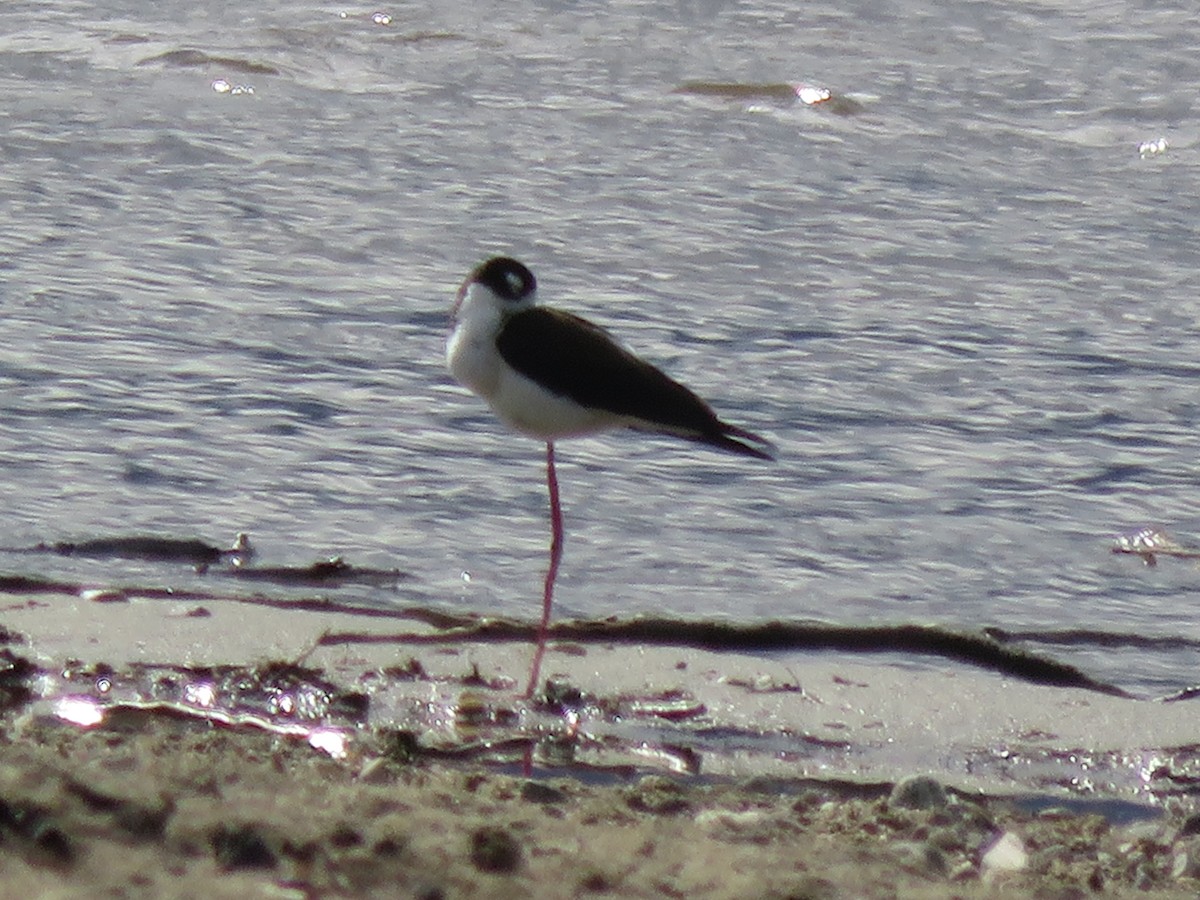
(516,284)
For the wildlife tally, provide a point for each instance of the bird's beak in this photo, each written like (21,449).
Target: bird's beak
(458,299)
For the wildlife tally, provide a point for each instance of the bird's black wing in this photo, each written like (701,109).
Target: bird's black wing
(573,358)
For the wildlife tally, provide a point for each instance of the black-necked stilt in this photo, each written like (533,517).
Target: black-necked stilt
(550,374)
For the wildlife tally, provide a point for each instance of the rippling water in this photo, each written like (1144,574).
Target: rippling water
(966,315)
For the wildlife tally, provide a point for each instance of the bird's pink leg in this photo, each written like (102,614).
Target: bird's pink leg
(556,548)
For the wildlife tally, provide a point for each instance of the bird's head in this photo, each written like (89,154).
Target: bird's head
(510,286)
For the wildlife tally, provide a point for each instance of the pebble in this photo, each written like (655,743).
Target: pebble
(1007,854)
(1190,826)
(921,857)
(536,792)
(918,792)
(730,824)
(495,850)
(242,847)
(1186,863)
(657,794)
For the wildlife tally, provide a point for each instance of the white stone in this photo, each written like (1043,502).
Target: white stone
(1006,855)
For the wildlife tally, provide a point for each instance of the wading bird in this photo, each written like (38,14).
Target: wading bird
(552,375)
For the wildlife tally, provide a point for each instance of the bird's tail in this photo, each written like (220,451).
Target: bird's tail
(739,440)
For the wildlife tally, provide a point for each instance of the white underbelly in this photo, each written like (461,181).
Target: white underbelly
(531,409)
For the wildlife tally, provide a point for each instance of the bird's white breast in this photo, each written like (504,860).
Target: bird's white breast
(471,353)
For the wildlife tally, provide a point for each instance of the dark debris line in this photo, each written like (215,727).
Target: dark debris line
(982,650)
(991,649)
(974,649)
(232,562)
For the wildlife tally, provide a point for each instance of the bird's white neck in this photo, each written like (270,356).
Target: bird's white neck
(471,348)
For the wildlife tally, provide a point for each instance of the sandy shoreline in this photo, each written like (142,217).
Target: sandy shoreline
(148,806)
(663,771)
